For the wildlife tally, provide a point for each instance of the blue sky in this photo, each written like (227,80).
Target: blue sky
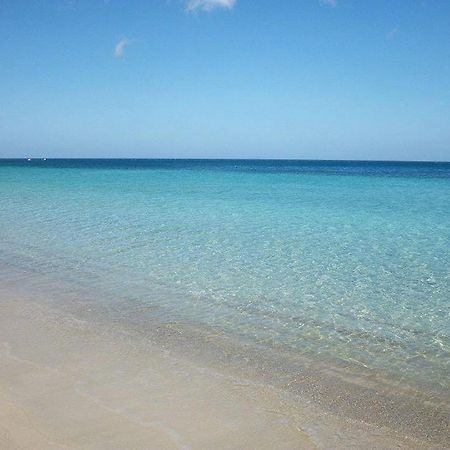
(345,79)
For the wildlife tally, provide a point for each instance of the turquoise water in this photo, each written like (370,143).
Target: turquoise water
(337,261)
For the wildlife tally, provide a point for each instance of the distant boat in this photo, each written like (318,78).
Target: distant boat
(29,159)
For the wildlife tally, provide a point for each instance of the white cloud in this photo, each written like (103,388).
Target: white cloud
(332,3)
(209,5)
(119,49)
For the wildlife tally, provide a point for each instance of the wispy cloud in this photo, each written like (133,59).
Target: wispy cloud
(332,3)
(119,49)
(209,5)
(392,34)
(67,5)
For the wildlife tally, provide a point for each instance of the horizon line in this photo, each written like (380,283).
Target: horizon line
(31,158)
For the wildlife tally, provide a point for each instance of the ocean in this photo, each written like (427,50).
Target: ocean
(346,264)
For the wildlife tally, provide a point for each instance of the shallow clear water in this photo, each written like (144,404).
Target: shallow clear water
(339,261)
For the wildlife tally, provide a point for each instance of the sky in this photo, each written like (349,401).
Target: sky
(299,79)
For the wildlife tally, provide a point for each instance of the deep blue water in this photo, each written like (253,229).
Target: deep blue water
(368,168)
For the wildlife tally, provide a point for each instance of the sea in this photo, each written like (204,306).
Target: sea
(344,263)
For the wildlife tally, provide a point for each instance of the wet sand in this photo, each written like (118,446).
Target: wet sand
(67,382)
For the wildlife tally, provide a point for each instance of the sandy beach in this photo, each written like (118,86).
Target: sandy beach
(68,383)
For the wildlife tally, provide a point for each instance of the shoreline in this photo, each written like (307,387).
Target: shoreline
(320,406)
